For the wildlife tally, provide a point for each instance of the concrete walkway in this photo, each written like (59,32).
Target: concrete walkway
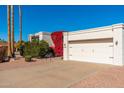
(52,74)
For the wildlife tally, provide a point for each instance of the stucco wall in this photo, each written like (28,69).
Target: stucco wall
(48,39)
(43,36)
(116,32)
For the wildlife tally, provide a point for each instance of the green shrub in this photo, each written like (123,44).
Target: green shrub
(44,47)
(28,58)
(27,49)
(36,49)
(43,43)
(35,41)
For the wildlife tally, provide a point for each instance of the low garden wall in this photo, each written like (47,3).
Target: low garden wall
(3,52)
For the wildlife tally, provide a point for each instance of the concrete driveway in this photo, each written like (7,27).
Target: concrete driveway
(51,74)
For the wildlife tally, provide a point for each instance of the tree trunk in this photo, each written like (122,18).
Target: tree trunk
(20,22)
(9,30)
(12,28)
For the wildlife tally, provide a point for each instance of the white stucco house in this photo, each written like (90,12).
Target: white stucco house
(98,45)
(42,36)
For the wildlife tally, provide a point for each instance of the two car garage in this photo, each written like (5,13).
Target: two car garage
(98,45)
(98,51)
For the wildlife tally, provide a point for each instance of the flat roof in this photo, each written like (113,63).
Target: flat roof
(102,28)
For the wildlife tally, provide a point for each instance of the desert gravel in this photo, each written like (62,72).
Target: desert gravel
(109,78)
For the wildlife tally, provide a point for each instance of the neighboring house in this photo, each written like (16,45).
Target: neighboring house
(42,36)
(3,44)
(6,44)
(54,39)
(98,45)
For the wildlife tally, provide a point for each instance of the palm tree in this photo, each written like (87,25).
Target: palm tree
(20,22)
(9,30)
(12,28)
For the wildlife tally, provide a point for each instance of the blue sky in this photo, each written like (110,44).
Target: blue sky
(55,18)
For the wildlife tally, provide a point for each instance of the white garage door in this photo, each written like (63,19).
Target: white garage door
(98,51)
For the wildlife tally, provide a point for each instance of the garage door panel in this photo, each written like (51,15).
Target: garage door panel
(92,52)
